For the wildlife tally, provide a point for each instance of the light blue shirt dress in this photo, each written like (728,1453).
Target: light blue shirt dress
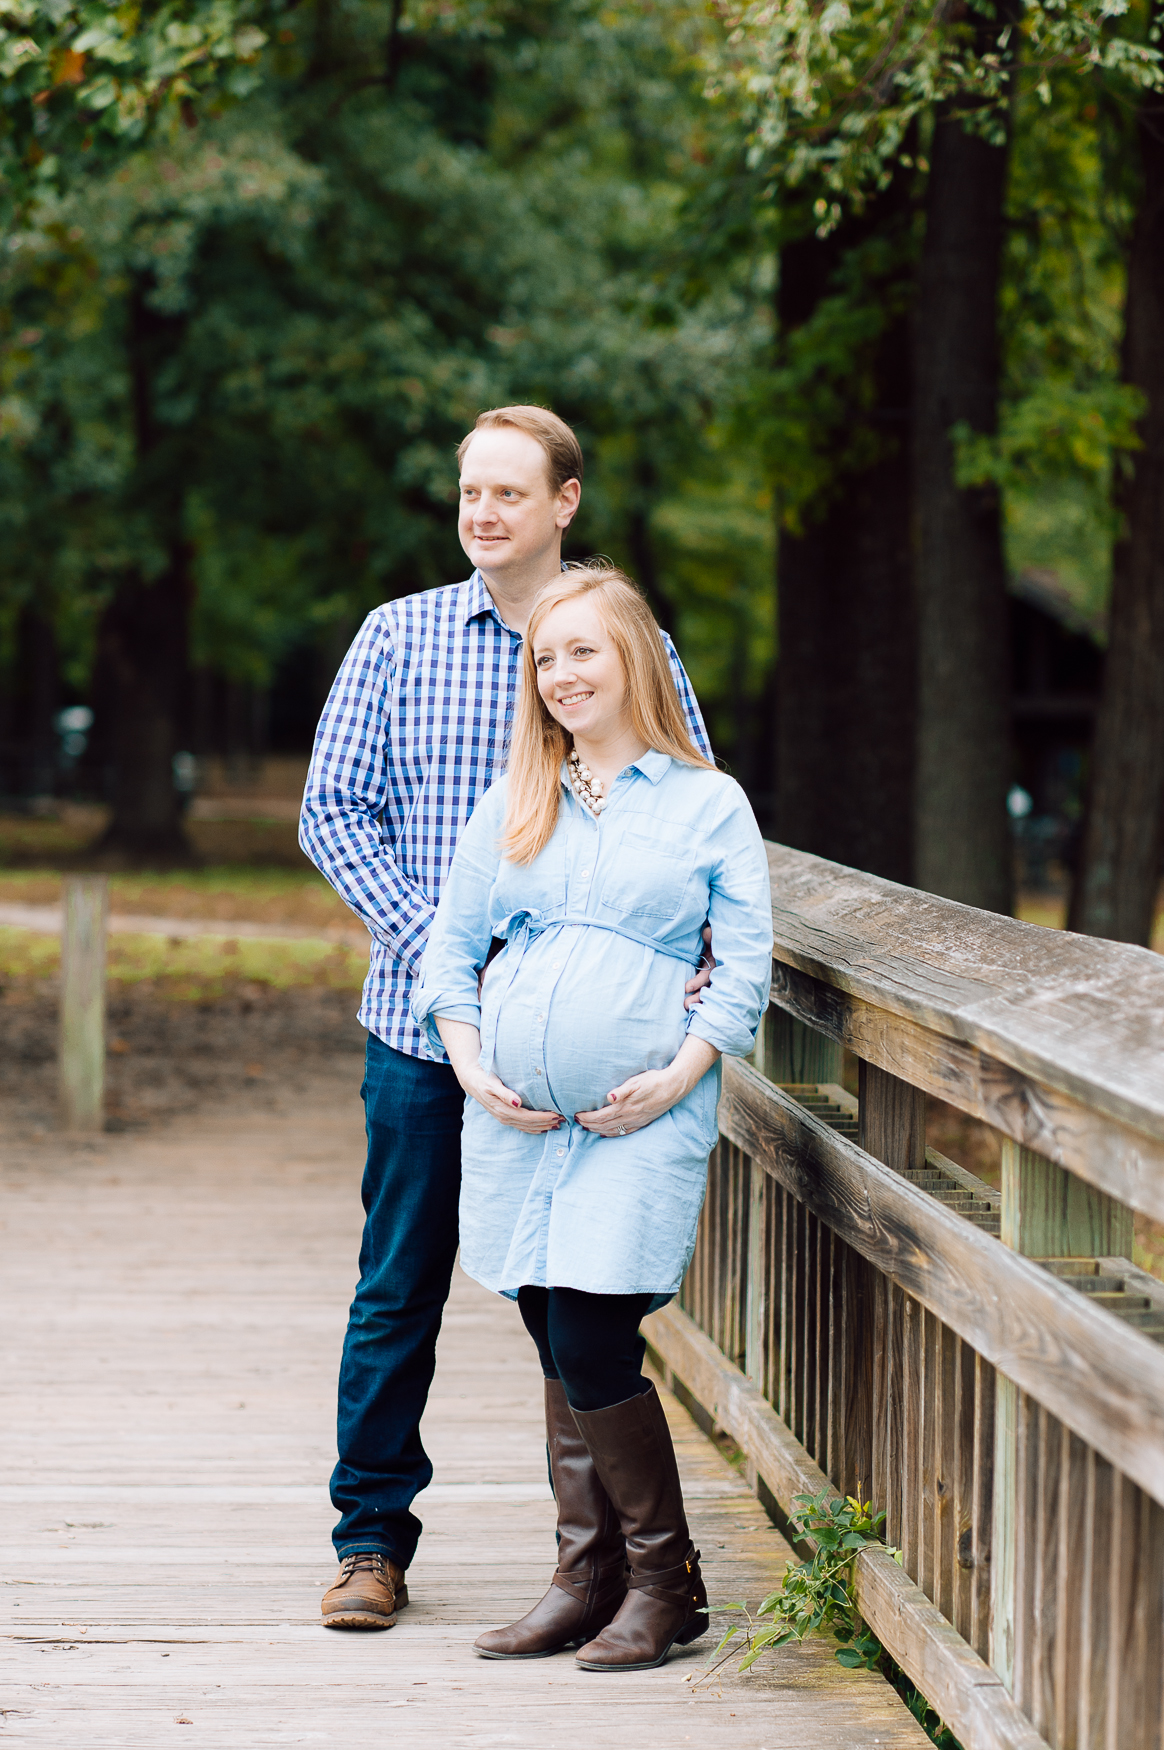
(602,931)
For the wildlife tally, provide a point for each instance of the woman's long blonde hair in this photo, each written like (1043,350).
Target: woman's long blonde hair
(540,743)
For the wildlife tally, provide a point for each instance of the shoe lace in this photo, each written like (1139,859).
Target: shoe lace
(373,1559)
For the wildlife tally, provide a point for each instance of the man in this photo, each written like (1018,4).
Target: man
(412,735)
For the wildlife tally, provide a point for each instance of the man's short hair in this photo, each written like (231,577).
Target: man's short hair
(563,451)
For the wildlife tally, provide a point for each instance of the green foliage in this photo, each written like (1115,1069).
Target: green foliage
(816,1596)
(829,94)
(1067,424)
(927,1717)
(319,288)
(1054,429)
(80,82)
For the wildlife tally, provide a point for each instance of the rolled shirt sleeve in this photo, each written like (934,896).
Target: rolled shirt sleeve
(740,913)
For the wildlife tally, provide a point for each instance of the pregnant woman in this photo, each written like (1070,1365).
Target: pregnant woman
(598,858)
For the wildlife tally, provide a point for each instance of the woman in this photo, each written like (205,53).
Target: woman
(592,1091)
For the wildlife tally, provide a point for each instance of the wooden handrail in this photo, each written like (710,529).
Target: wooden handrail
(1100,1378)
(989,1365)
(1055,1039)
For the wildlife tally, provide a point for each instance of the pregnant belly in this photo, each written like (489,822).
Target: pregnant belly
(610,1010)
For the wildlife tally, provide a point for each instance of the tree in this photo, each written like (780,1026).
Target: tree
(845,679)
(963,770)
(255,344)
(833,98)
(1115,892)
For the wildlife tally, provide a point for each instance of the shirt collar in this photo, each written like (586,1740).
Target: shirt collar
(475,600)
(653,764)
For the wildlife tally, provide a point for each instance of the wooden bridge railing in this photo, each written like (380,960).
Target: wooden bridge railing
(989,1364)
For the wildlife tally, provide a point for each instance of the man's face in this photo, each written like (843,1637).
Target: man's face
(509,519)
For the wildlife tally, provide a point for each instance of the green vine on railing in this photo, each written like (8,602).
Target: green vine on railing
(817,1597)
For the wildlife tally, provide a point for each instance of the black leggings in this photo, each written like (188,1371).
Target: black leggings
(590,1342)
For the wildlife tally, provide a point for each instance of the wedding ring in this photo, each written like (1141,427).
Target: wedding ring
(622,1130)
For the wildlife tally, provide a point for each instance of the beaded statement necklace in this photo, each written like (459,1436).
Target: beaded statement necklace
(585,785)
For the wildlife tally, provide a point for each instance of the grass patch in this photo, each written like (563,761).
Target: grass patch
(227,892)
(62,841)
(201,969)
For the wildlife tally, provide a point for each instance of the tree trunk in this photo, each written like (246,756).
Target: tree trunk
(962,835)
(37,695)
(845,670)
(141,678)
(1115,892)
(142,650)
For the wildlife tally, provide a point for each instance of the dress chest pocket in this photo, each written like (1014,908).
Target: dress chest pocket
(538,887)
(650,877)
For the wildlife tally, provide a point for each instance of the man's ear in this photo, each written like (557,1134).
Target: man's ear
(568,500)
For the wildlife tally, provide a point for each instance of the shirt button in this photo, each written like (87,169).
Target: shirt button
(541,1017)
(537,1072)
(561,1152)
(585,871)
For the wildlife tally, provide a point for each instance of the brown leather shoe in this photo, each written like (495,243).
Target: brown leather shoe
(368,1591)
(590,1582)
(666,1603)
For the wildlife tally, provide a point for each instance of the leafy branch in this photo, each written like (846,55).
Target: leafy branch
(816,1596)
(830,92)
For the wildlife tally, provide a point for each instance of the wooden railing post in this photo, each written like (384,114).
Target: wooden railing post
(1047,1212)
(789,1051)
(82,1049)
(892,1128)
(756,1315)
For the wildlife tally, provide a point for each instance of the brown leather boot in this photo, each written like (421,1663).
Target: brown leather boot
(590,1582)
(666,1603)
(368,1591)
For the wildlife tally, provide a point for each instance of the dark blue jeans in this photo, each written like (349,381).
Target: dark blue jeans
(412,1181)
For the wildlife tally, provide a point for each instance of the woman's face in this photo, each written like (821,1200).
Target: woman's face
(580,673)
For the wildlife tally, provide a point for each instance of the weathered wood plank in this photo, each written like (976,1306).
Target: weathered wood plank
(1102,1148)
(1104,1381)
(1048,1212)
(970,1697)
(1083,1016)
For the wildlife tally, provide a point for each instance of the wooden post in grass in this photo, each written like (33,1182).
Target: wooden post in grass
(83,1003)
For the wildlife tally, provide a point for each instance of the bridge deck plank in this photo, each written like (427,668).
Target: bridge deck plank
(172,1307)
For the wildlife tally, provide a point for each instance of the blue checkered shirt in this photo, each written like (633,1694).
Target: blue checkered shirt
(414,731)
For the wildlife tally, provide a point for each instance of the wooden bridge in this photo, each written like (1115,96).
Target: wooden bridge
(988,1361)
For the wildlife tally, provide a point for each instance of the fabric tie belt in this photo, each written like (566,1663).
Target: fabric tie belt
(523,927)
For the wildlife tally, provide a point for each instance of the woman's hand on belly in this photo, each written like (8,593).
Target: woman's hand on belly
(643,1098)
(463,1044)
(503,1104)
